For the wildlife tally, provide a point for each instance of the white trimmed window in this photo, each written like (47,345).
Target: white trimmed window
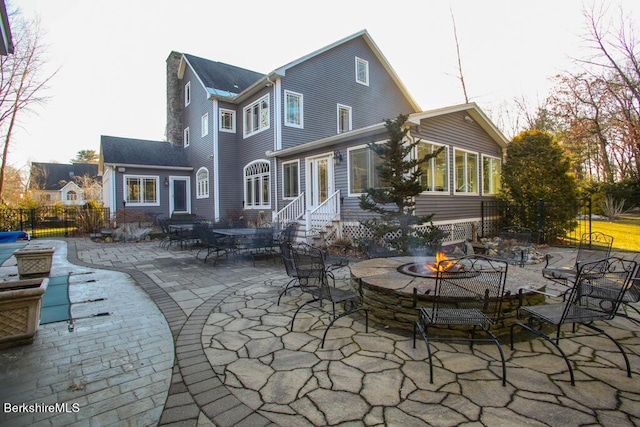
(363,172)
(257,187)
(466,172)
(293,109)
(141,190)
(435,172)
(205,124)
(362,71)
(202,183)
(227,120)
(291,179)
(72,196)
(491,175)
(187,139)
(256,116)
(187,94)
(344,118)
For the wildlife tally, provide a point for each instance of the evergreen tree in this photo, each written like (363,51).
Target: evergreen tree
(538,168)
(394,201)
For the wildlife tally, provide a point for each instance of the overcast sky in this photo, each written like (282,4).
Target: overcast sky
(111,54)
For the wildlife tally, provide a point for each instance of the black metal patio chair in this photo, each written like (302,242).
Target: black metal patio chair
(592,247)
(467,297)
(212,243)
(286,253)
(313,278)
(316,238)
(597,292)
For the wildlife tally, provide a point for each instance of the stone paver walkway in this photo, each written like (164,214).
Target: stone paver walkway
(236,362)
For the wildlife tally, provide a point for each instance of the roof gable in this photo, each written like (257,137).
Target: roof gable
(374,48)
(474,113)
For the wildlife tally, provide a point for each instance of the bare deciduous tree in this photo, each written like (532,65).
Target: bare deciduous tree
(22,85)
(598,108)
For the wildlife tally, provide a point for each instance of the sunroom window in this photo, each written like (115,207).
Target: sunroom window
(491,175)
(466,172)
(435,172)
(363,173)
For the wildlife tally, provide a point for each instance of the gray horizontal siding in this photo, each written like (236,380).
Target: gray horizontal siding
(328,80)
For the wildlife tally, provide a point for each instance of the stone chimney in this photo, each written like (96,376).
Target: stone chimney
(175,100)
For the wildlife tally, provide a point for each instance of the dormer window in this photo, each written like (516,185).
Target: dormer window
(362,71)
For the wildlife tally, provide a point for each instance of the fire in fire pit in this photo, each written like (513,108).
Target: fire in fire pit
(431,267)
(442,263)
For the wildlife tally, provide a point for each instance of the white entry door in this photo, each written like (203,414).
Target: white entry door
(319,180)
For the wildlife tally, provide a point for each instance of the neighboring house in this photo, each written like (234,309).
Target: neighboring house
(73,184)
(291,144)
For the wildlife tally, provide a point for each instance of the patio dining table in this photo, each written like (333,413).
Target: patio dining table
(236,232)
(250,241)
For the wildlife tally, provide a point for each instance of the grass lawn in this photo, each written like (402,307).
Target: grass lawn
(625,232)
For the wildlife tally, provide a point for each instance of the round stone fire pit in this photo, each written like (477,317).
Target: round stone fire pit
(388,283)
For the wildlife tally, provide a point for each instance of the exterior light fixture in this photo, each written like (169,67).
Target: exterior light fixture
(166,181)
(337,157)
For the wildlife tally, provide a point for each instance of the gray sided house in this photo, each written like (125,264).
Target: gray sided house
(290,145)
(151,176)
(69,184)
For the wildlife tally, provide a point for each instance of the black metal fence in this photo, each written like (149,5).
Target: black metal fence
(553,222)
(55,221)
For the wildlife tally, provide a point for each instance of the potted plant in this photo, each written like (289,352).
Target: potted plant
(34,261)
(20,307)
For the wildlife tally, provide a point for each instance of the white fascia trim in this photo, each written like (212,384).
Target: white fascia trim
(278,114)
(181,70)
(334,139)
(216,161)
(129,165)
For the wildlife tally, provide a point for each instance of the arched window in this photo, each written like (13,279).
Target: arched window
(202,183)
(72,196)
(257,187)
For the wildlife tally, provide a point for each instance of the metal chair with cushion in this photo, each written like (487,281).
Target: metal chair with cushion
(313,278)
(597,292)
(467,298)
(592,247)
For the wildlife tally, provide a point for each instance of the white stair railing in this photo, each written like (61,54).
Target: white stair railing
(325,213)
(292,212)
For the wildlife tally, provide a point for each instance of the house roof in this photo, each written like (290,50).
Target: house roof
(57,175)
(219,78)
(118,151)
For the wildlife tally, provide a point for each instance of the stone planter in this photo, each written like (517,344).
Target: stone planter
(34,261)
(20,307)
